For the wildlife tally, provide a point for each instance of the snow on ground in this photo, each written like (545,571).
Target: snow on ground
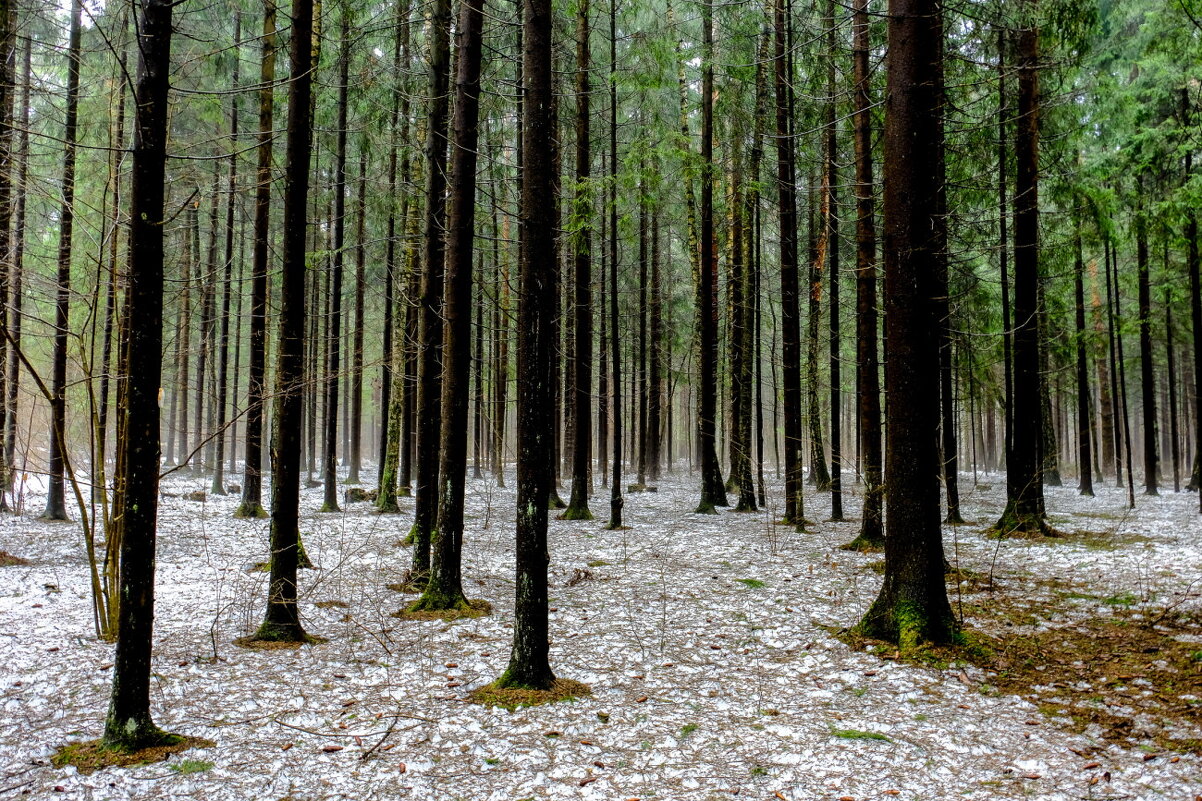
(705,686)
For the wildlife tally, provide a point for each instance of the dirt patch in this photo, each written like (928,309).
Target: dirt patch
(512,698)
(91,756)
(332,605)
(475,608)
(9,560)
(1116,676)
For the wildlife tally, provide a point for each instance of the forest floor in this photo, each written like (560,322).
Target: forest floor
(710,644)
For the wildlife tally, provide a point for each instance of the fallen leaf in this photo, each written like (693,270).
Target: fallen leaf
(389,747)
(1091,766)
(640,699)
(285,746)
(329,749)
(402,767)
(588,781)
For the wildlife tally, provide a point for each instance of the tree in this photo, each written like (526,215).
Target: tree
(56,496)
(128,725)
(713,493)
(445,589)
(1024,513)
(529,664)
(582,304)
(252,479)
(334,319)
(282,620)
(912,606)
(868,400)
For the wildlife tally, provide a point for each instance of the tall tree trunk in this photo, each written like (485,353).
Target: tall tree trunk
(790,322)
(1084,422)
(1170,368)
(16,276)
(832,233)
(223,344)
(1146,371)
(252,479)
(396,345)
(529,666)
(582,246)
(1004,255)
(333,361)
(429,366)
(56,499)
(713,493)
(1024,511)
(356,382)
(615,485)
(445,588)
(872,533)
(655,358)
(912,606)
(128,725)
(282,621)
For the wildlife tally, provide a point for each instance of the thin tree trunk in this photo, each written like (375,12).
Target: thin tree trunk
(356,381)
(1147,374)
(1084,424)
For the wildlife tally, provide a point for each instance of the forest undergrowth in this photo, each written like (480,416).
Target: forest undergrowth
(706,643)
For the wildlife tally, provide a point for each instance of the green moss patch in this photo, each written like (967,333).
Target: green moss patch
(475,608)
(253,643)
(512,698)
(91,756)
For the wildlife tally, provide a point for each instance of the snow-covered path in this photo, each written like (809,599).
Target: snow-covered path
(702,638)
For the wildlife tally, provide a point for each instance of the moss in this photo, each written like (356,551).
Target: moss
(250,511)
(705,508)
(271,636)
(511,697)
(576,513)
(155,746)
(864,544)
(906,624)
(465,609)
(1013,523)
(752,583)
(857,734)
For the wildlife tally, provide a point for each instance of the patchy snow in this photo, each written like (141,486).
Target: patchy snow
(704,686)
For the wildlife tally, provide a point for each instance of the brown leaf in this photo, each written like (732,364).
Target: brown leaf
(329,749)
(402,767)
(1091,766)
(640,699)
(588,781)
(599,764)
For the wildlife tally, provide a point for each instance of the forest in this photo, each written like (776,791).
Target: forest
(594,399)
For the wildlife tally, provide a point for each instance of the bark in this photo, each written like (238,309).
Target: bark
(445,588)
(16,277)
(1146,371)
(1024,511)
(582,245)
(790,323)
(832,233)
(356,382)
(529,665)
(223,343)
(868,401)
(912,606)
(128,725)
(333,361)
(615,484)
(282,621)
(1084,421)
(429,361)
(252,478)
(713,493)
(55,499)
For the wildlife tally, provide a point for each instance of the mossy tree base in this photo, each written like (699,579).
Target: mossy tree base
(250,511)
(1014,523)
(271,636)
(513,697)
(387,506)
(155,746)
(329,508)
(706,508)
(908,625)
(467,609)
(576,513)
(554,501)
(864,544)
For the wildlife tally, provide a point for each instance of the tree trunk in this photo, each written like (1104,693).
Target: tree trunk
(1146,372)
(356,383)
(582,244)
(713,493)
(252,478)
(16,276)
(1024,511)
(282,621)
(445,588)
(128,725)
(429,366)
(872,534)
(912,606)
(529,667)
(1084,422)
(615,491)
(790,323)
(56,498)
(832,233)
